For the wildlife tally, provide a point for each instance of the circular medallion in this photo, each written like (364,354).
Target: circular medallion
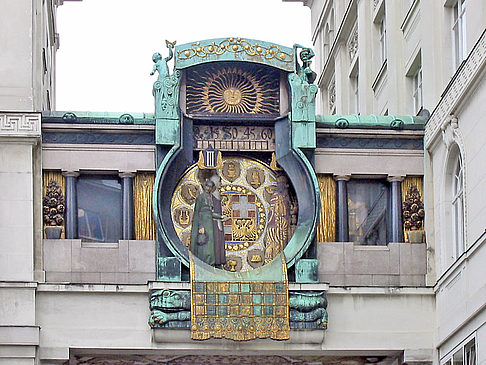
(244,189)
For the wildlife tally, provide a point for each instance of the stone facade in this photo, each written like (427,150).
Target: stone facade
(435,48)
(69,301)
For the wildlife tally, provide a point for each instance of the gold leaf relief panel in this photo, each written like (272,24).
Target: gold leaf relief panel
(143,187)
(241,89)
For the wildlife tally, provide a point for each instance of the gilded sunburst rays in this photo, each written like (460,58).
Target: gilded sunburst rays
(229,89)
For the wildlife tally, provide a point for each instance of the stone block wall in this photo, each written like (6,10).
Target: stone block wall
(347,264)
(125,262)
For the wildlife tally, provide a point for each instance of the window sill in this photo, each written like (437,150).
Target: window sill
(456,265)
(353,69)
(380,76)
(410,14)
(379,11)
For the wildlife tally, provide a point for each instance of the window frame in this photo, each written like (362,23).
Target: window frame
(417,90)
(388,211)
(95,216)
(458,29)
(448,359)
(382,39)
(355,90)
(457,206)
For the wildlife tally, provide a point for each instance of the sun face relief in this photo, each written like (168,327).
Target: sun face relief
(232,96)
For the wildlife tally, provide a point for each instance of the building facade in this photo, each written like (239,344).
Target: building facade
(423,57)
(122,283)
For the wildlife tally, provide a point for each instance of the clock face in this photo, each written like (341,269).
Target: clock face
(247,191)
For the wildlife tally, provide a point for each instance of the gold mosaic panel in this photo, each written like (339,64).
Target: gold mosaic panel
(238,312)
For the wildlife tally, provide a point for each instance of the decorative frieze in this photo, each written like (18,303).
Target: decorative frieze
(331,95)
(20,124)
(463,80)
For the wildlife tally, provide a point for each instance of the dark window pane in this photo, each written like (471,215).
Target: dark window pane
(99,208)
(368,211)
(470,350)
(458,358)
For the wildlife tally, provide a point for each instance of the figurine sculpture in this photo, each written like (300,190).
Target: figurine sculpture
(278,227)
(165,88)
(207,236)
(169,305)
(303,89)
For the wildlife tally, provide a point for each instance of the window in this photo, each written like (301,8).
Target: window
(417,94)
(382,39)
(355,89)
(464,354)
(99,199)
(457,201)
(459,32)
(368,211)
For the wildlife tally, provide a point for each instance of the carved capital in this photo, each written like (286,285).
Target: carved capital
(70,173)
(342,177)
(126,174)
(397,178)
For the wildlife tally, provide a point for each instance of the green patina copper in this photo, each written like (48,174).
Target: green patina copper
(302,87)
(303,136)
(371,121)
(303,112)
(166,95)
(168,269)
(235,49)
(306,230)
(97,118)
(306,271)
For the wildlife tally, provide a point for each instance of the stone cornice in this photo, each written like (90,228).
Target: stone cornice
(460,84)
(15,124)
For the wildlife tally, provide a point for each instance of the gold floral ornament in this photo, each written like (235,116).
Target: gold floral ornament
(235,45)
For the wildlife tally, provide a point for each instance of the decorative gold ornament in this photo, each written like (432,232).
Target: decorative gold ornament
(245,89)
(255,177)
(245,231)
(182,216)
(202,165)
(232,96)
(231,170)
(236,45)
(189,193)
(413,210)
(274,164)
